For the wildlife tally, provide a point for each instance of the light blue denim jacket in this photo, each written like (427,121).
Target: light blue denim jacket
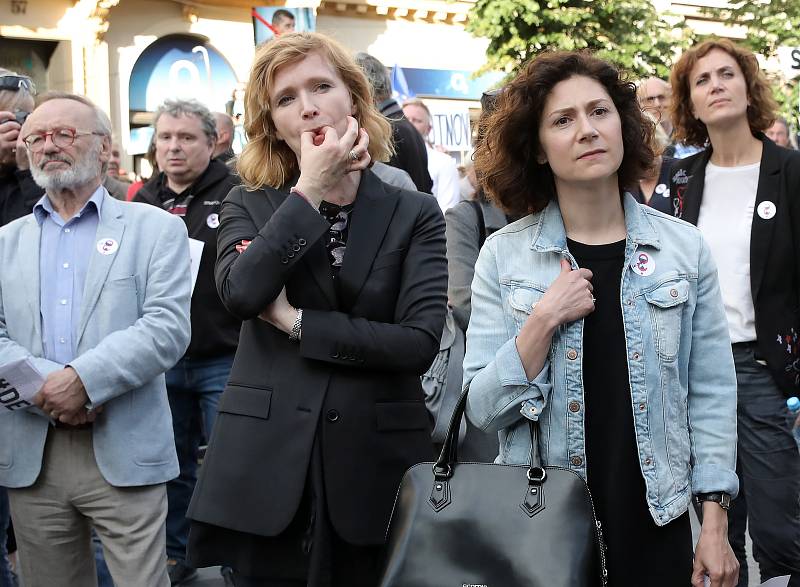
(680,365)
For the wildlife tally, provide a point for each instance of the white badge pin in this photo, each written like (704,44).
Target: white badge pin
(107,246)
(766,209)
(212,220)
(643,264)
(661,188)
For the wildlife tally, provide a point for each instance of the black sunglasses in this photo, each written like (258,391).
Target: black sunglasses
(15,82)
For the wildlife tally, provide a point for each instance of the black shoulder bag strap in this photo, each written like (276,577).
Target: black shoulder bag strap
(481,222)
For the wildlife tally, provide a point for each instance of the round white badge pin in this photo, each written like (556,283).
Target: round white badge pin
(643,264)
(766,210)
(212,220)
(661,188)
(107,246)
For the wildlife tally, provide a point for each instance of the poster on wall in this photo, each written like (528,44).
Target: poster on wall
(271,21)
(181,66)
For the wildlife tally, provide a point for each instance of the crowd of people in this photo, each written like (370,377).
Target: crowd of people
(346,292)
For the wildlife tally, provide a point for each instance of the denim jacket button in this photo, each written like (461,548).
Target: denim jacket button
(574,407)
(636,356)
(572,354)
(648,461)
(576,461)
(673,292)
(642,407)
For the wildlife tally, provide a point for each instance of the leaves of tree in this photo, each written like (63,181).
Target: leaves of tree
(629,33)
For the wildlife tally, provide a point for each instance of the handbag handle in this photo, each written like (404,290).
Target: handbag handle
(448,458)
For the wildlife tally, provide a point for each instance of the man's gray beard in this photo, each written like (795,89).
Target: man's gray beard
(80,173)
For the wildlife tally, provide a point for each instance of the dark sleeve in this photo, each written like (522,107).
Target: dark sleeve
(792,170)
(462,253)
(410,155)
(248,282)
(31,193)
(410,343)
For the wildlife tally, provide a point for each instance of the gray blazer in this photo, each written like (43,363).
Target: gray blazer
(134,325)
(395,176)
(462,252)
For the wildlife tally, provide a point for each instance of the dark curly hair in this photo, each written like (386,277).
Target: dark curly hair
(760,113)
(506,159)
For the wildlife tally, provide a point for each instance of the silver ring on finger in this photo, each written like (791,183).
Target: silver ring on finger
(54,415)
(593,298)
(354,156)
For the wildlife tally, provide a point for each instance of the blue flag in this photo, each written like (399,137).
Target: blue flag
(400,89)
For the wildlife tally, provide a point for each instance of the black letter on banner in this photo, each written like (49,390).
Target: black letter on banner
(796,59)
(12,392)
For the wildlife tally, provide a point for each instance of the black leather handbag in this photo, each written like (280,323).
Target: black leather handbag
(488,525)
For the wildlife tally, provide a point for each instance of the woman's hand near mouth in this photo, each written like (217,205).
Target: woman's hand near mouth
(325,158)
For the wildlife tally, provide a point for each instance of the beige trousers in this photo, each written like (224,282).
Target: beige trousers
(54,517)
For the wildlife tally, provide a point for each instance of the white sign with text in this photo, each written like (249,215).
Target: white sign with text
(450,127)
(789,58)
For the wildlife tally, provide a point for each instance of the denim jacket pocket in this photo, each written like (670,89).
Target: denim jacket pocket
(666,304)
(522,299)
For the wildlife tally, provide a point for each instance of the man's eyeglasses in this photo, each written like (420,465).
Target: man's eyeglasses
(61,137)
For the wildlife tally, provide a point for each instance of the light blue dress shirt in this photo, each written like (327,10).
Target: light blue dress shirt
(65,248)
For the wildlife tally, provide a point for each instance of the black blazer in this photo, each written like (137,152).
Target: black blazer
(774,252)
(354,376)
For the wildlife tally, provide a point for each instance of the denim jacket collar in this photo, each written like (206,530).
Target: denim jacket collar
(549,234)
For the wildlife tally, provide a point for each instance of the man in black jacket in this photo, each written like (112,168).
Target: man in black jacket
(18,191)
(410,153)
(193,185)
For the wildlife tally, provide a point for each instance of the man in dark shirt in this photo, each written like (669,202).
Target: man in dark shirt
(410,153)
(192,185)
(18,191)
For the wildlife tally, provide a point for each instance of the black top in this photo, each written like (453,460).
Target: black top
(336,241)
(215,331)
(410,152)
(18,194)
(661,199)
(637,548)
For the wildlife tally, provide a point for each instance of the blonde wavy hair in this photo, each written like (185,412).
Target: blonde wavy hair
(268,161)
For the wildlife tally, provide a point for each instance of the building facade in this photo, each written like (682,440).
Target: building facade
(128,55)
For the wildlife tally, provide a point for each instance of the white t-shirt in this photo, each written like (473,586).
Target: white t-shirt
(444,173)
(726,219)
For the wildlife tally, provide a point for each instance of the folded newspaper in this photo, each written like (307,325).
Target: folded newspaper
(19,382)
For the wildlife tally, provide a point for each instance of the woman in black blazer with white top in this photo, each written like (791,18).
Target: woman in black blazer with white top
(743,192)
(341,281)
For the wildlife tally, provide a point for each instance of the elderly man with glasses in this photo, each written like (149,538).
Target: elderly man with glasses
(95,293)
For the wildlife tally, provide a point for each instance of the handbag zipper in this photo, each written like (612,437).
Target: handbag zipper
(597,523)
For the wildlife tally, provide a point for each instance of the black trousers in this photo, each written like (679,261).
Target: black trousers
(768,466)
(309,553)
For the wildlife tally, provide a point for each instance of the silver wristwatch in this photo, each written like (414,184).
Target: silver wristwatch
(294,335)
